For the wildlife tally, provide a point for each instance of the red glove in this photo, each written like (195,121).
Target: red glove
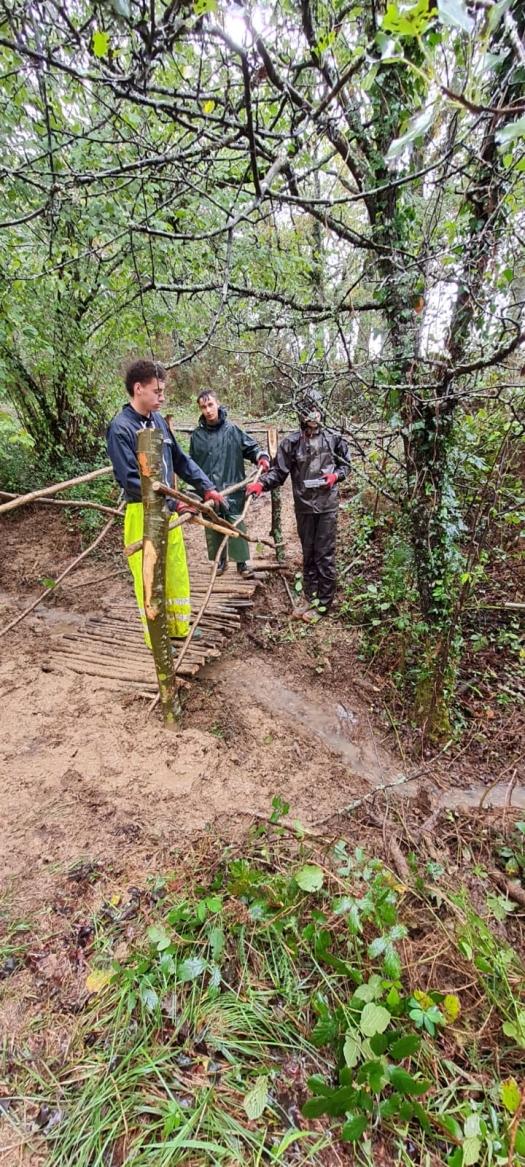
(331,479)
(255,489)
(184,507)
(264,462)
(214,496)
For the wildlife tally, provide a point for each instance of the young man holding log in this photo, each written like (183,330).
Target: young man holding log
(220,448)
(145,383)
(316,460)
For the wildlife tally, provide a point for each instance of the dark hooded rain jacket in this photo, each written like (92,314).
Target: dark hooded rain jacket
(305,458)
(220,451)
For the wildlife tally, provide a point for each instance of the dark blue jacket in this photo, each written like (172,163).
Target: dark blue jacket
(122,449)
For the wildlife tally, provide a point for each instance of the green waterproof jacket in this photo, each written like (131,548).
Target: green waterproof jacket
(220,451)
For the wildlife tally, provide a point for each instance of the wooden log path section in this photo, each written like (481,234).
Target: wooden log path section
(112,647)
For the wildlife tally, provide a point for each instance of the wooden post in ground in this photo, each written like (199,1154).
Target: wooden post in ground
(276,529)
(155,542)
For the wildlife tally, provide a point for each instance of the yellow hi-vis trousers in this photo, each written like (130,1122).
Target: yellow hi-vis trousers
(178,604)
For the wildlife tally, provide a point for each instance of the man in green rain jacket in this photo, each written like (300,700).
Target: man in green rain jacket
(219,447)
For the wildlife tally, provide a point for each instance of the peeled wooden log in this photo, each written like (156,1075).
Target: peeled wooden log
(23,499)
(155,540)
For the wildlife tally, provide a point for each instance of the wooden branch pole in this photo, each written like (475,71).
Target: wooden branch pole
(51,591)
(203,507)
(155,539)
(276,529)
(22,499)
(132,548)
(68,502)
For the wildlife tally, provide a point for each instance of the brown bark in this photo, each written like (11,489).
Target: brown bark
(22,499)
(155,540)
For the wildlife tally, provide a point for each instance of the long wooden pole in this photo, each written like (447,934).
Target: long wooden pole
(203,507)
(67,502)
(155,539)
(51,591)
(22,499)
(277,528)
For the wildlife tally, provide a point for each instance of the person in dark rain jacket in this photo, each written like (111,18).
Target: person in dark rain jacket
(317,460)
(145,384)
(220,448)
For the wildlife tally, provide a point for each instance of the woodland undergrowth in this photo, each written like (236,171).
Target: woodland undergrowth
(287,999)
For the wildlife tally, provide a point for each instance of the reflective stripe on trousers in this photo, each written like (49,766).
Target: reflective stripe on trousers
(178,603)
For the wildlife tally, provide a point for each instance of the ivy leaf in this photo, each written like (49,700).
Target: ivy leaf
(191,968)
(374,1019)
(257,1098)
(454,14)
(100,44)
(310,878)
(510,1095)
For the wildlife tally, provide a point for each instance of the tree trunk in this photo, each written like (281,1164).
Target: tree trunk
(156,520)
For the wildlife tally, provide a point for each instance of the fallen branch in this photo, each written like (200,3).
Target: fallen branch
(67,502)
(58,581)
(359,801)
(91,583)
(22,499)
(514,890)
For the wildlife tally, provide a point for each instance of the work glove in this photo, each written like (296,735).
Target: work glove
(184,507)
(255,489)
(264,463)
(330,479)
(214,496)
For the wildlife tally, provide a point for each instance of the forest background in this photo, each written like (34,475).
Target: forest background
(276,197)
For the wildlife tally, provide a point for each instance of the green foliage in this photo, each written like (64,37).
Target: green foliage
(197,1035)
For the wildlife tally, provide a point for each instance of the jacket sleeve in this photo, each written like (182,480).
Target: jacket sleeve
(251,450)
(341,458)
(187,469)
(279,471)
(122,451)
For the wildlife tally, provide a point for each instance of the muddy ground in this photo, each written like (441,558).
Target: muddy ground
(87,771)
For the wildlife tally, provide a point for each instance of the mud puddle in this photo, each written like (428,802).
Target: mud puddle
(499,796)
(342,728)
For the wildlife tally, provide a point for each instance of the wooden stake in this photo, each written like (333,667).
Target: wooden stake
(22,499)
(155,539)
(276,530)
